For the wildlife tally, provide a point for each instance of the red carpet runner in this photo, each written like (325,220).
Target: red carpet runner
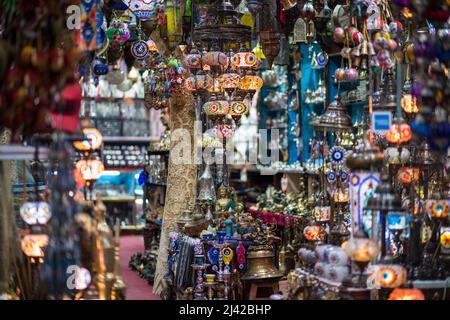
(137,288)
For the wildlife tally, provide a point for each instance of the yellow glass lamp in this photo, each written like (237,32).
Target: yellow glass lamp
(409,103)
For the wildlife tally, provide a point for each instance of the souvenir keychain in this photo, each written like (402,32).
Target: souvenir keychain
(139,48)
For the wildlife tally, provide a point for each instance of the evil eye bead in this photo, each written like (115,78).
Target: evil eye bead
(139,49)
(100,68)
(337,155)
(322,59)
(344,176)
(331,176)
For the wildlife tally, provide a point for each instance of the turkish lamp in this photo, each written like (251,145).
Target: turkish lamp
(384,202)
(361,250)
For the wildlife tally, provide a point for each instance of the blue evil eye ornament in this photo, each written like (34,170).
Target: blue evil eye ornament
(213,257)
(331,176)
(100,68)
(139,49)
(343,175)
(322,59)
(337,155)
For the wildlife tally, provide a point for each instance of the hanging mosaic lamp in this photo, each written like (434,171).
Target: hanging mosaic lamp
(216,108)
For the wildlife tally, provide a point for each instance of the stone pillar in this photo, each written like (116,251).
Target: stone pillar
(181,180)
(8,242)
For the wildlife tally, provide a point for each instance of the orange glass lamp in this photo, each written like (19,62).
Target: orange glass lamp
(250,84)
(408,175)
(314,233)
(406,294)
(94,140)
(89,170)
(399,133)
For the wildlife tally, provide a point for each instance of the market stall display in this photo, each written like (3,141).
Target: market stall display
(247,144)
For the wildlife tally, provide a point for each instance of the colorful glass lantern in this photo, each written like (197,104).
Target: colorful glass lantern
(144,9)
(238,108)
(216,108)
(32,245)
(437,208)
(406,294)
(90,170)
(229,81)
(314,233)
(215,58)
(198,82)
(118,31)
(245,60)
(322,213)
(399,133)
(363,161)
(384,202)
(94,140)
(35,213)
(361,249)
(391,276)
(251,83)
(408,175)
(216,87)
(193,60)
(152,47)
(409,103)
(445,238)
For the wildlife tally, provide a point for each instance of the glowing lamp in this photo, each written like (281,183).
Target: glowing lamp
(238,108)
(35,213)
(437,208)
(216,108)
(409,103)
(245,60)
(406,294)
(408,175)
(314,233)
(251,83)
(32,245)
(391,276)
(152,47)
(361,249)
(445,237)
(399,134)
(198,82)
(229,80)
(94,140)
(89,170)
(322,214)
